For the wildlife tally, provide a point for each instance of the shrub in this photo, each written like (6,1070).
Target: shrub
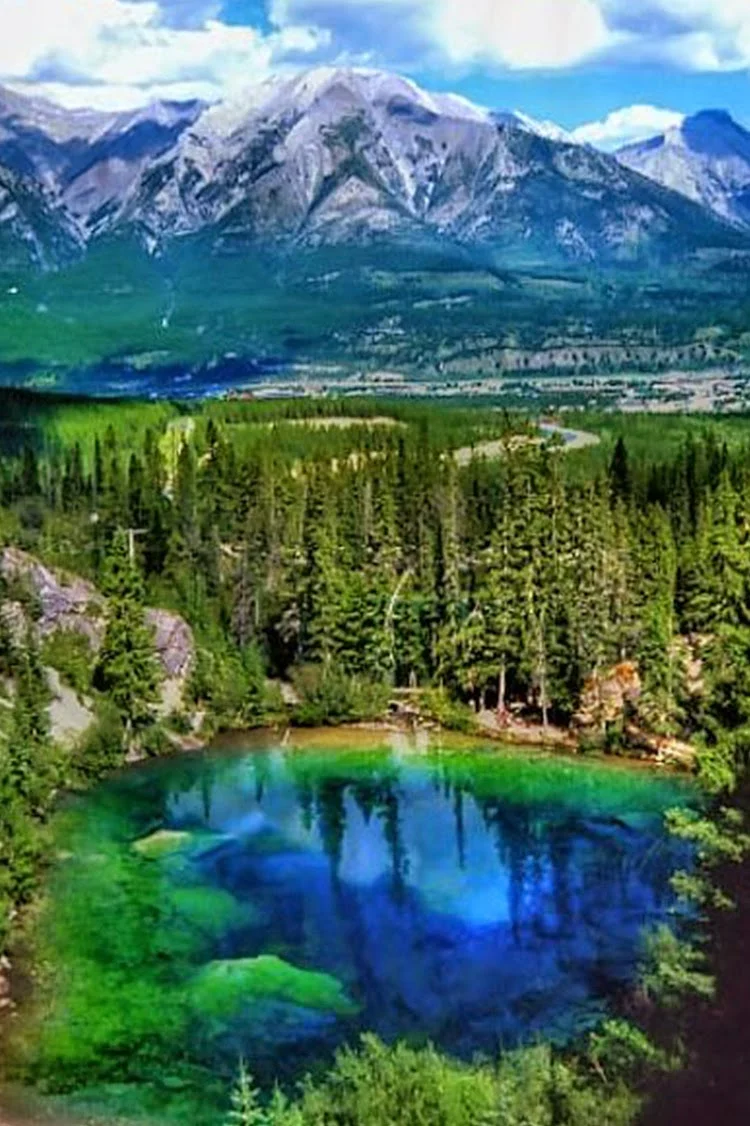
(230,684)
(378,1085)
(449,713)
(329,697)
(101,749)
(672,969)
(69,652)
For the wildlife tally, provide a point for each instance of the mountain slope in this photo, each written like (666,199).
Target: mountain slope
(335,156)
(86,158)
(707,159)
(35,231)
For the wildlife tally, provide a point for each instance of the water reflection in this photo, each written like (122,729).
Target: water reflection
(469,901)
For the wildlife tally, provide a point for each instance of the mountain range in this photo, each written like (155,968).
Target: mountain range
(348,156)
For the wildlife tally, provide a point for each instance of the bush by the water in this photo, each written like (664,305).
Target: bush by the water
(69,652)
(378,1085)
(329,696)
(230,684)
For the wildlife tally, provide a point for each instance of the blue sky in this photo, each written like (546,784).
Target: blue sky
(577,62)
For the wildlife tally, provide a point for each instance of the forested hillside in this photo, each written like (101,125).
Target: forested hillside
(327,554)
(356,549)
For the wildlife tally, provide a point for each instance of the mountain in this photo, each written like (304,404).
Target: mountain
(336,157)
(521,120)
(86,158)
(707,159)
(35,230)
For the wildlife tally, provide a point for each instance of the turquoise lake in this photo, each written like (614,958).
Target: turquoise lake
(273,903)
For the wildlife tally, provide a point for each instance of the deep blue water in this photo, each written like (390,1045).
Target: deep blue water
(474,900)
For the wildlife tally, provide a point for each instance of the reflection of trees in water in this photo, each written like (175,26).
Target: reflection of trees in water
(330,806)
(260,767)
(458,819)
(321,795)
(305,795)
(518,835)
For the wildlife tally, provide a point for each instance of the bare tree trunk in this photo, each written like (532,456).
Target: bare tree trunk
(501,690)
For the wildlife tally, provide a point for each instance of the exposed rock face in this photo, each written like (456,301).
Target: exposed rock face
(612,697)
(70,717)
(707,159)
(68,602)
(606,696)
(173,639)
(666,749)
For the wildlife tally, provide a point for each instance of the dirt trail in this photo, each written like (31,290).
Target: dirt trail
(571,440)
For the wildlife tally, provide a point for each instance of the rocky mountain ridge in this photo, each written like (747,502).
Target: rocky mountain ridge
(706,159)
(331,157)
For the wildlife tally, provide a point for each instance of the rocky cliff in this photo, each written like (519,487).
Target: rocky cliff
(67,602)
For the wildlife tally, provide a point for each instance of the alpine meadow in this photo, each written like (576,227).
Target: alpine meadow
(374,563)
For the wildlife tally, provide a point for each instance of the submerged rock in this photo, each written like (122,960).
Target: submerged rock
(164,842)
(223,988)
(210,910)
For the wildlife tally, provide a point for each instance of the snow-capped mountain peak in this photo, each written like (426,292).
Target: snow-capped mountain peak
(706,158)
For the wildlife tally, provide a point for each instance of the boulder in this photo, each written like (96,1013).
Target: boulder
(65,602)
(607,696)
(173,639)
(665,749)
(70,717)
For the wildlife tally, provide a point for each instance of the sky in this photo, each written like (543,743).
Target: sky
(612,71)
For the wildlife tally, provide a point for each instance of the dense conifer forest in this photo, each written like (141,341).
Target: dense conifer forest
(343,549)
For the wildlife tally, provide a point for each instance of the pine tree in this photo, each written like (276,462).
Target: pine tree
(127,668)
(246,1108)
(619,472)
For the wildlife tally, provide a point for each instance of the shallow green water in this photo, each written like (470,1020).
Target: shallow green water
(272,904)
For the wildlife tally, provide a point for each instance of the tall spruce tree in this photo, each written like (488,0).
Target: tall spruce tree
(127,668)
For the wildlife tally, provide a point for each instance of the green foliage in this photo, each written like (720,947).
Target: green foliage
(620,1050)
(127,669)
(329,696)
(377,1085)
(352,558)
(698,890)
(100,750)
(246,1107)
(451,714)
(230,684)
(717,839)
(69,652)
(672,969)
(717,763)
(30,770)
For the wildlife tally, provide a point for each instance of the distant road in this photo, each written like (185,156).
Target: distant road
(571,440)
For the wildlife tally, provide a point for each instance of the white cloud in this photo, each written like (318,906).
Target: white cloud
(116,53)
(527,34)
(532,34)
(626,126)
(514,34)
(701,35)
(123,52)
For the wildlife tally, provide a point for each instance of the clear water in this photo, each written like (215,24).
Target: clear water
(463,895)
